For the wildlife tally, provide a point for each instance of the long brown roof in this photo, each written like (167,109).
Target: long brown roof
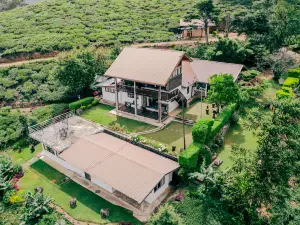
(204,69)
(144,65)
(127,168)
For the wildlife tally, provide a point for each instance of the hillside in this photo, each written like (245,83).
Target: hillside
(64,24)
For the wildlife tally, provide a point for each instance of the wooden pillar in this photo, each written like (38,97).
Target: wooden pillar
(135,99)
(116,95)
(159,104)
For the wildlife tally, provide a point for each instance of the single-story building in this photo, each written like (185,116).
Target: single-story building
(126,171)
(195,28)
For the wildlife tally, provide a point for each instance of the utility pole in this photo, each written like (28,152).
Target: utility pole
(183,128)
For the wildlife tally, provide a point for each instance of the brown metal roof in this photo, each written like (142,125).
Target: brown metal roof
(204,69)
(127,168)
(195,22)
(150,66)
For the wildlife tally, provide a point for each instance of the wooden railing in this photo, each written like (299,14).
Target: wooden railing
(165,96)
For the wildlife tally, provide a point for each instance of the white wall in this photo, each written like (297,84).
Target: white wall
(172,105)
(63,163)
(68,166)
(153,196)
(123,97)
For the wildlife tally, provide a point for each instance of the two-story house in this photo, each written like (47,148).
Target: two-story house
(152,82)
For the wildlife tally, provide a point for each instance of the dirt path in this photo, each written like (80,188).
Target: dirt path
(25,61)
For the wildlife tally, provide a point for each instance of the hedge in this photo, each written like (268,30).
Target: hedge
(285,92)
(201,130)
(291,82)
(189,158)
(82,102)
(222,119)
(294,73)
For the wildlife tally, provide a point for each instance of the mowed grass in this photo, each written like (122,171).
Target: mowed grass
(24,156)
(88,204)
(100,114)
(194,111)
(172,135)
(237,134)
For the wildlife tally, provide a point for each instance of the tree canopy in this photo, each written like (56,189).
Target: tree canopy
(223,89)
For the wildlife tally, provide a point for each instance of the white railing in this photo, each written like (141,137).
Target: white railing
(53,120)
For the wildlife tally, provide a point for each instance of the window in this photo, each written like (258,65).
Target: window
(87,176)
(188,90)
(111,90)
(130,95)
(177,72)
(160,184)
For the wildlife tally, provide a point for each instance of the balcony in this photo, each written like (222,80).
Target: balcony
(149,92)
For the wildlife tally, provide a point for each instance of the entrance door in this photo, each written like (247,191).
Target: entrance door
(190,33)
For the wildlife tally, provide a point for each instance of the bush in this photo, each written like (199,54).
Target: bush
(204,154)
(291,82)
(166,215)
(222,119)
(285,92)
(249,74)
(199,132)
(81,102)
(294,73)
(189,157)
(95,102)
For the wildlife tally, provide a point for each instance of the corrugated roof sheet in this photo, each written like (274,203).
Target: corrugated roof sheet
(194,22)
(204,69)
(127,168)
(150,66)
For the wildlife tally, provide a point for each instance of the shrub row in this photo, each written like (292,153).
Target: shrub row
(291,82)
(82,102)
(294,73)
(202,132)
(285,92)
(189,158)
(222,119)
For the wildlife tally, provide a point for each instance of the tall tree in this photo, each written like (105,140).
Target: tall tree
(206,11)
(78,69)
(223,89)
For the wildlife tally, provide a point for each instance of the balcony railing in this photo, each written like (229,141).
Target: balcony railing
(165,96)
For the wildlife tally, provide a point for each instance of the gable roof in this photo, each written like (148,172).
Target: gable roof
(195,23)
(204,69)
(127,168)
(144,65)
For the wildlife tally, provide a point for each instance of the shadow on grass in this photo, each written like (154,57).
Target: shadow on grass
(84,196)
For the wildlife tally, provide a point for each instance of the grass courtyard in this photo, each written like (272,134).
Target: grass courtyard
(24,156)
(172,135)
(197,111)
(88,203)
(100,114)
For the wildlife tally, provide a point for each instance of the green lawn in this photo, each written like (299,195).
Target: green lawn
(172,135)
(194,111)
(236,134)
(88,203)
(24,156)
(100,114)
